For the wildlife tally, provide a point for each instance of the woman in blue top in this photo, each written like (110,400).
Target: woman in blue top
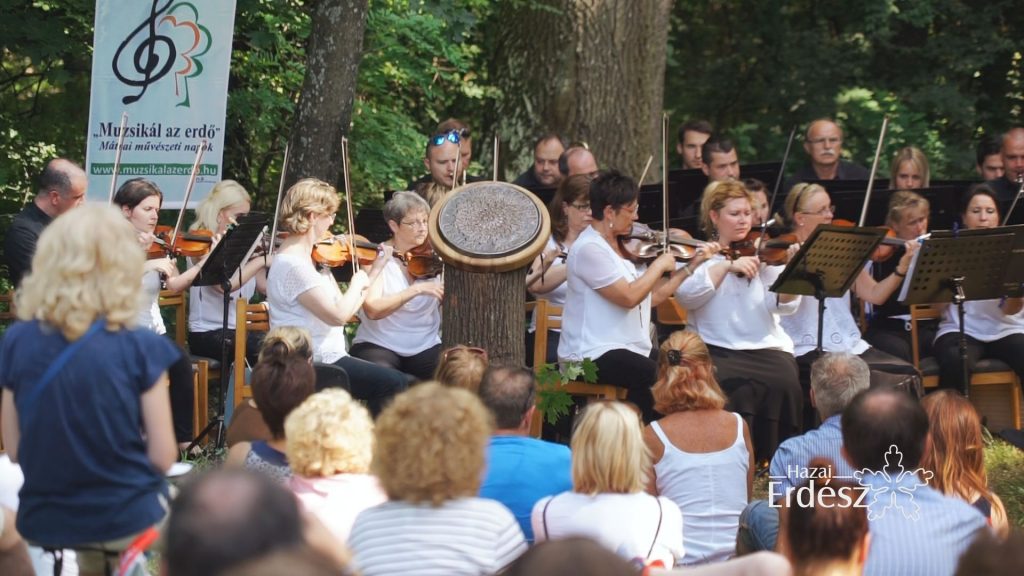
(85,403)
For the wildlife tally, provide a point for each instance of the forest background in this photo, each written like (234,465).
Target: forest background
(947,72)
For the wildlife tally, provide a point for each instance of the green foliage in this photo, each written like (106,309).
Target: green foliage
(552,399)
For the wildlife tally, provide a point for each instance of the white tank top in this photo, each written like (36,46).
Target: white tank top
(710,489)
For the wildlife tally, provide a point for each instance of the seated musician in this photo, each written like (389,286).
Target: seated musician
(608,301)
(570,215)
(227,201)
(400,322)
(909,169)
(807,206)
(140,201)
(729,305)
(994,328)
(300,296)
(889,329)
(543,173)
(443,160)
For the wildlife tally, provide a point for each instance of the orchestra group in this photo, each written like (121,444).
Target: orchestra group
(87,294)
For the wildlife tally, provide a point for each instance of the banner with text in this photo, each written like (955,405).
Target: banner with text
(164,63)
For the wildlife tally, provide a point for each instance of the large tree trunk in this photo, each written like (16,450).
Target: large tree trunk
(325,105)
(591,69)
(485,310)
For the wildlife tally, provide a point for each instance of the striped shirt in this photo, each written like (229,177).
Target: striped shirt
(789,464)
(466,536)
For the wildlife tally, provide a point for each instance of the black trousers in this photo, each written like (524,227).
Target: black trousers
(182,396)
(422,365)
(635,373)
(1009,349)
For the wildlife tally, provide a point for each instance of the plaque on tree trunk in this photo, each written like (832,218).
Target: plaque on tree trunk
(489,227)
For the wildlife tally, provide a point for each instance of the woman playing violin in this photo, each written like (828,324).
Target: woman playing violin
(301,296)
(994,328)
(607,314)
(907,217)
(807,206)
(140,201)
(728,303)
(400,322)
(227,201)
(570,215)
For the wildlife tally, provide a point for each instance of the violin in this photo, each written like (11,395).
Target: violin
(885,249)
(643,244)
(333,251)
(421,262)
(193,244)
(770,250)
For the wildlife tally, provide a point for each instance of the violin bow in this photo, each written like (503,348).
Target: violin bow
(1016,197)
(664,180)
(495,155)
(280,193)
(874,169)
(117,157)
(350,213)
(455,176)
(778,184)
(643,175)
(188,191)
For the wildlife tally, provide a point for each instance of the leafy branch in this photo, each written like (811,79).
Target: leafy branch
(552,399)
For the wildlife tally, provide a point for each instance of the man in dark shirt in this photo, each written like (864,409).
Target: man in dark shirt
(1007,187)
(544,172)
(719,159)
(692,136)
(62,186)
(463,137)
(989,158)
(823,143)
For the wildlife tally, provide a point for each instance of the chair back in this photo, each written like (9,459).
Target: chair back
(248,318)
(177,301)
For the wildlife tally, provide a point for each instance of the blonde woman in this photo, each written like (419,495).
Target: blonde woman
(909,169)
(429,456)
(227,201)
(299,295)
(462,367)
(79,384)
(330,445)
(703,456)
(610,467)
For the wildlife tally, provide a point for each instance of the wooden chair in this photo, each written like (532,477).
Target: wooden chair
(248,318)
(7,315)
(203,369)
(991,404)
(549,317)
(670,312)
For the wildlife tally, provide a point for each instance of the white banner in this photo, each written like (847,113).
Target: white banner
(164,63)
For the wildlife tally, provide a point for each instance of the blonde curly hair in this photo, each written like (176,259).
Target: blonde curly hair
(328,434)
(306,199)
(87,264)
(431,444)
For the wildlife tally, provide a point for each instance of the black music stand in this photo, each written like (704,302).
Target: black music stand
(226,259)
(827,264)
(956,267)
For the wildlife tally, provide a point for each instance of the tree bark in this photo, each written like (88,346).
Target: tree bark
(324,111)
(593,70)
(485,310)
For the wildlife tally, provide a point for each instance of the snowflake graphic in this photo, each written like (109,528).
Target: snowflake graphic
(884,485)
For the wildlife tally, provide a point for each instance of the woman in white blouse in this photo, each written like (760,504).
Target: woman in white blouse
(728,303)
(299,295)
(400,322)
(610,465)
(607,312)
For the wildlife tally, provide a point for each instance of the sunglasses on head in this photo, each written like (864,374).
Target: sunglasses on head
(468,349)
(453,136)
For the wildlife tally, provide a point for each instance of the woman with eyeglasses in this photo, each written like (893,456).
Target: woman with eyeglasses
(730,306)
(299,295)
(400,321)
(570,215)
(607,314)
(994,328)
(806,207)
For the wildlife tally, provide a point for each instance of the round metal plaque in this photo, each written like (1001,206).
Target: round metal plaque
(489,220)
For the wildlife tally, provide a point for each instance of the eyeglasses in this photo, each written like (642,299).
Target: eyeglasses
(467,349)
(414,223)
(819,141)
(453,136)
(830,210)
(581,207)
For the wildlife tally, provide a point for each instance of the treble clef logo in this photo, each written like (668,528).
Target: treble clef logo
(153,57)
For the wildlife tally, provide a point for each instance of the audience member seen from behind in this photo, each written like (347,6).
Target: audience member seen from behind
(573,555)
(830,536)
(279,385)
(610,465)
(956,456)
(462,367)
(247,424)
(909,169)
(703,457)
(570,215)
(429,456)
(226,518)
(914,531)
(993,556)
(330,445)
(79,384)
(520,470)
